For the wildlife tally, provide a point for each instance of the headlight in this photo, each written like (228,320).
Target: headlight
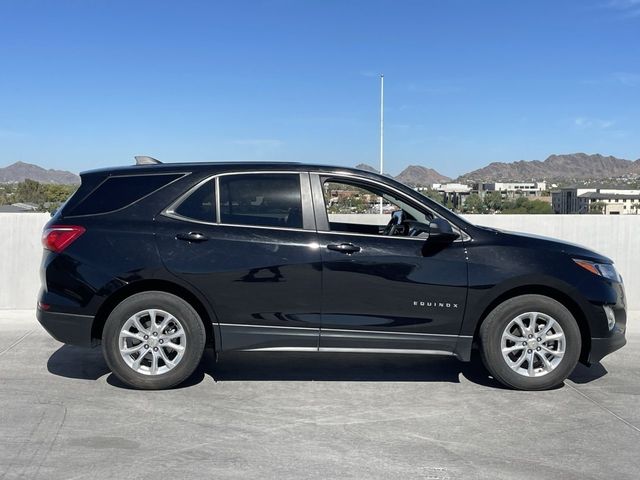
(606,270)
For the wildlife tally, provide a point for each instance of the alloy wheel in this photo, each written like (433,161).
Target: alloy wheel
(152,342)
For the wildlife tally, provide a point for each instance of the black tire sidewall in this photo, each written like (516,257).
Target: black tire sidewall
(190,321)
(491,334)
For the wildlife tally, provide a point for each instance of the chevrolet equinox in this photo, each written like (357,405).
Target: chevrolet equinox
(157,261)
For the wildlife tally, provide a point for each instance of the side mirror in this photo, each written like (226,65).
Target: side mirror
(440,231)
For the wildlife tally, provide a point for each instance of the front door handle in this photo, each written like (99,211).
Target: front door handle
(343,247)
(192,237)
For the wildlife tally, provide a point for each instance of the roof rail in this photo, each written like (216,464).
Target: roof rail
(144,160)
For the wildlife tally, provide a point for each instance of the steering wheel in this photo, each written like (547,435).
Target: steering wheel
(397,220)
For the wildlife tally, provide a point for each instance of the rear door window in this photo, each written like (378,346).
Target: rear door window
(269,199)
(200,205)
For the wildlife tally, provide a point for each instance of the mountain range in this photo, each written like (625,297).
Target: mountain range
(574,166)
(556,167)
(20,171)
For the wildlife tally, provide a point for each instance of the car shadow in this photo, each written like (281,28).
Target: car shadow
(88,364)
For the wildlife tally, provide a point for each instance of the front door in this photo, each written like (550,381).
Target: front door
(248,243)
(384,290)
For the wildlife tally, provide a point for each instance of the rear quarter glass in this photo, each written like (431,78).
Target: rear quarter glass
(115,193)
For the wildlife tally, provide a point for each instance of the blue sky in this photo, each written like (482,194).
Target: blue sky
(88,83)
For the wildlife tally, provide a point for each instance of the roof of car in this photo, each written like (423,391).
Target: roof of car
(220,166)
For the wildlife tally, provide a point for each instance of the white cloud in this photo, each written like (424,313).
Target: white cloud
(628,79)
(583,123)
(629,8)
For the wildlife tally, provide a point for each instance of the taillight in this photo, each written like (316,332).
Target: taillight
(58,237)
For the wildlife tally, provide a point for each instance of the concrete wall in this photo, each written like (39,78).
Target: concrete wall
(20,255)
(618,237)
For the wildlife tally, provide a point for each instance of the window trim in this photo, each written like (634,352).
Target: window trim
(308,220)
(322,218)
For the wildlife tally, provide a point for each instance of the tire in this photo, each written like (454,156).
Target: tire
(501,328)
(149,358)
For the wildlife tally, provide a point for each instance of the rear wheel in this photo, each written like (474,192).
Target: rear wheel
(153,340)
(530,342)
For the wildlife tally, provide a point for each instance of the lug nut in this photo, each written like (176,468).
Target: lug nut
(155,334)
(155,349)
(538,349)
(146,337)
(529,351)
(530,336)
(161,341)
(146,346)
(524,344)
(539,339)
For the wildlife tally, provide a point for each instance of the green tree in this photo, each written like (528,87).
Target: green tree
(433,195)
(597,207)
(493,201)
(474,204)
(30,191)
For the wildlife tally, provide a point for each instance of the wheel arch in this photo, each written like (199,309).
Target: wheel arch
(206,315)
(551,292)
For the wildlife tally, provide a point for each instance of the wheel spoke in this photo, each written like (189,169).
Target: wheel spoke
(530,358)
(154,362)
(555,353)
(513,338)
(138,361)
(134,349)
(518,363)
(513,348)
(547,364)
(127,333)
(175,346)
(533,320)
(555,336)
(176,334)
(138,324)
(165,358)
(550,323)
(524,329)
(165,322)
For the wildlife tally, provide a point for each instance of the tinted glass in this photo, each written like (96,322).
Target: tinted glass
(261,199)
(119,192)
(201,204)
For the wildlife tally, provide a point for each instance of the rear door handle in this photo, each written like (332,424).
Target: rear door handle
(192,237)
(343,247)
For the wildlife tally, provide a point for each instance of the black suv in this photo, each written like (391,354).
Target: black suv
(157,261)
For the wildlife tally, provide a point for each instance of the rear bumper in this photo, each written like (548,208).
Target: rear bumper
(67,328)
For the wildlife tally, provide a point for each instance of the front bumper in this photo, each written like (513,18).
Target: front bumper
(67,328)
(601,347)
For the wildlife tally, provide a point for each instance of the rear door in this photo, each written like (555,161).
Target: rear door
(247,241)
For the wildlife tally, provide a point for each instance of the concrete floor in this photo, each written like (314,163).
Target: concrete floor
(63,415)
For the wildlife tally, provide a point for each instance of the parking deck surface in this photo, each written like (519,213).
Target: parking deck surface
(290,416)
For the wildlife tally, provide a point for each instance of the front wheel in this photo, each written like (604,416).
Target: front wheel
(153,340)
(530,342)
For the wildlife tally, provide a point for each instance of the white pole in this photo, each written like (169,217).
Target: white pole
(381,130)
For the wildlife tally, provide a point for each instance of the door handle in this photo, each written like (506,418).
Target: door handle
(192,237)
(343,247)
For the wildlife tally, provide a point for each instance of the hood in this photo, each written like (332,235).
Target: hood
(547,243)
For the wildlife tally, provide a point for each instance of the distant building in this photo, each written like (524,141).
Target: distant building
(513,189)
(611,201)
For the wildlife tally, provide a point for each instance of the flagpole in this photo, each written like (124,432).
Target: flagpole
(381,130)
